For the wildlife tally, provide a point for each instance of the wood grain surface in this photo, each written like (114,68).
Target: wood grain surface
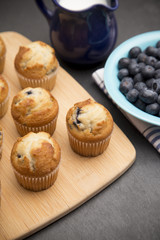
(24,212)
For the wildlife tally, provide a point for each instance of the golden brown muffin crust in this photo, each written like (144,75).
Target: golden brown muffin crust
(35,154)
(2,47)
(34,107)
(36,60)
(3,89)
(89,121)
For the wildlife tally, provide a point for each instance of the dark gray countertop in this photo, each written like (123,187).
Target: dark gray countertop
(129,208)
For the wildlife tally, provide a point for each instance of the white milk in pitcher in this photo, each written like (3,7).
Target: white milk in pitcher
(76,5)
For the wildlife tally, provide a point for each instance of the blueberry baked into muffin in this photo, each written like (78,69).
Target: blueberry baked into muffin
(4,96)
(36,65)
(89,126)
(35,159)
(2,54)
(34,110)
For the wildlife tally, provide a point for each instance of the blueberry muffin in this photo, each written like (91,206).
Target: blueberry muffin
(4,96)
(89,126)
(34,110)
(35,159)
(36,65)
(1,141)
(2,54)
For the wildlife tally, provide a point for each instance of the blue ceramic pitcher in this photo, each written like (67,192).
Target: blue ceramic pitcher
(82,34)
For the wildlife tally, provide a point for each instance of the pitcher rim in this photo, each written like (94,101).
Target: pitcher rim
(88,8)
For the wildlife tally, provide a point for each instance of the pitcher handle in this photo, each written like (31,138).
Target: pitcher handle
(46,12)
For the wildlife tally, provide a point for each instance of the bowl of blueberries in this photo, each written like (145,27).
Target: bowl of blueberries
(132,76)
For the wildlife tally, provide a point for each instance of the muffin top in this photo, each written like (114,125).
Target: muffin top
(89,121)
(36,60)
(34,107)
(35,154)
(4,89)
(2,47)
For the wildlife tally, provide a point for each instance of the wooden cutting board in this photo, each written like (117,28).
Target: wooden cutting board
(24,212)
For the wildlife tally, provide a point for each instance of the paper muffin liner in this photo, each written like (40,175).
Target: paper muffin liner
(88,149)
(47,82)
(37,183)
(4,106)
(49,127)
(2,62)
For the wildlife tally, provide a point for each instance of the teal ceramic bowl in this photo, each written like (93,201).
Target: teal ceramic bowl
(111,70)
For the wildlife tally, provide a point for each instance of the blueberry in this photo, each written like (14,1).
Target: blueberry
(132,95)
(140,86)
(151,61)
(133,60)
(141,57)
(134,52)
(153,108)
(157,65)
(129,79)
(157,73)
(147,71)
(149,82)
(141,65)
(29,92)
(123,63)
(19,155)
(156,85)
(158,44)
(151,51)
(125,86)
(123,73)
(77,114)
(133,68)
(140,104)
(148,96)
(138,78)
(158,99)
